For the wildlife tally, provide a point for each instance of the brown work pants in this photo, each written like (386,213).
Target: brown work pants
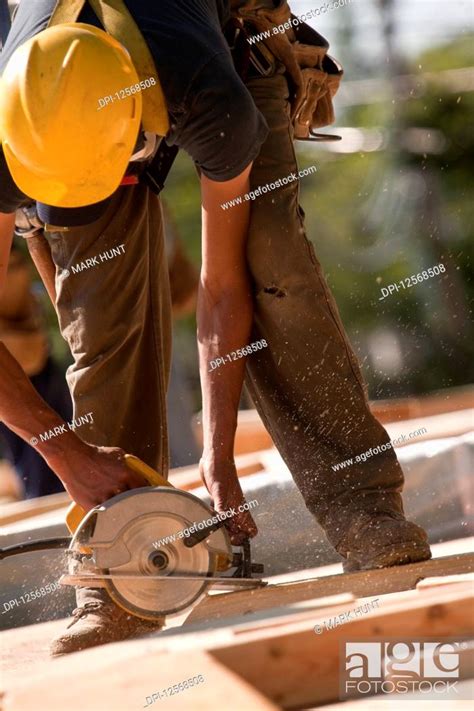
(115,315)
(306,385)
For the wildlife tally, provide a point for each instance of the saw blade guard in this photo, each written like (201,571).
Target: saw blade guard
(142,532)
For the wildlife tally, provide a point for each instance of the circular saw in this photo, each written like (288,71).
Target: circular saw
(156,550)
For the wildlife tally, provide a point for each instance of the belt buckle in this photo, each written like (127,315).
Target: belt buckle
(259,59)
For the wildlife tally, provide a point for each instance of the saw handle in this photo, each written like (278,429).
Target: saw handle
(76,513)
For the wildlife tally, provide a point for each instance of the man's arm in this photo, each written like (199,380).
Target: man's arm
(224,316)
(90,474)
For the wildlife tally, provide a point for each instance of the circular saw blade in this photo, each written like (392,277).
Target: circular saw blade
(149,544)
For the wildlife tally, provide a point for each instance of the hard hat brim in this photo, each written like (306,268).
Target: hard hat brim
(55,193)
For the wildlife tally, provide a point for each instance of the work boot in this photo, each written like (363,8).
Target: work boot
(381,541)
(98,620)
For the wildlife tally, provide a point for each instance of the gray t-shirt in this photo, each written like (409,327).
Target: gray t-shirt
(212,114)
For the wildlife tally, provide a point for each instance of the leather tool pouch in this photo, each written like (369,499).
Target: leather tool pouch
(313,75)
(321,76)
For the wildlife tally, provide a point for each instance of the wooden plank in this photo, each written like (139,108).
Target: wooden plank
(285,662)
(449,400)
(26,648)
(20,510)
(445,580)
(360,584)
(450,424)
(128,683)
(298,668)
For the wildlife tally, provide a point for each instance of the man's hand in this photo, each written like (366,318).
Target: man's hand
(224,488)
(95,474)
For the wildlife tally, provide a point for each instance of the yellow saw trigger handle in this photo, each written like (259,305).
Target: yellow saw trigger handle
(76,513)
(152,476)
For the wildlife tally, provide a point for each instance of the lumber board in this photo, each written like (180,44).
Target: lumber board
(20,510)
(130,684)
(446,580)
(439,403)
(298,668)
(27,647)
(360,584)
(286,662)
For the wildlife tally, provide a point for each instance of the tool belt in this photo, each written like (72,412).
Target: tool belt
(118,22)
(314,76)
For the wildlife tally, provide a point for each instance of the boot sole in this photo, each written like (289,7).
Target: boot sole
(391,557)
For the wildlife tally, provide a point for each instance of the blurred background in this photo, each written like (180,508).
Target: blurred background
(390,200)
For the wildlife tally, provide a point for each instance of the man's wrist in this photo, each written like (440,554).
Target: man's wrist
(58,451)
(217,455)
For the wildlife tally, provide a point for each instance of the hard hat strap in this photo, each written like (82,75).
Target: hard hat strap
(118,22)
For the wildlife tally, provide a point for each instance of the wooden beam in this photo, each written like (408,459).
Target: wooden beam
(123,684)
(361,584)
(283,661)
(297,668)
(21,510)
(445,580)
(449,400)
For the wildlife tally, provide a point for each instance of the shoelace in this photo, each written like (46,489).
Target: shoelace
(79,612)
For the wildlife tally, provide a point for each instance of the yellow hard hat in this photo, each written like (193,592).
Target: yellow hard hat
(62,145)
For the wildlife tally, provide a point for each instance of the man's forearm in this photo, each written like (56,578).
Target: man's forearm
(26,413)
(21,408)
(224,323)
(224,312)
